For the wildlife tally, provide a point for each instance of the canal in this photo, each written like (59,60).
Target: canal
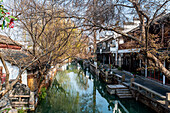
(75,90)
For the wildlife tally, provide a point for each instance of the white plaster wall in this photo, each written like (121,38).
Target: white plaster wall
(64,67)
(121,41)
(137,22)
(14,71)
(114,49)
(24,77)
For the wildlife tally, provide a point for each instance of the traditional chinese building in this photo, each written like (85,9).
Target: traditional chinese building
(136,63)
(124,52)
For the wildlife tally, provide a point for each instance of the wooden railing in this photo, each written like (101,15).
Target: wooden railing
(19,100)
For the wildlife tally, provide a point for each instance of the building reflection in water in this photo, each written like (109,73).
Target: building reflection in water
(77,91)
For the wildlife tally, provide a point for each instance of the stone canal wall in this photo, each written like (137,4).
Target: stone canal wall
(155,101)
(150,102)
(152,99)
(93,69)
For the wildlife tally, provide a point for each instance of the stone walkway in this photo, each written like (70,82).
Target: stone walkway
(151,84)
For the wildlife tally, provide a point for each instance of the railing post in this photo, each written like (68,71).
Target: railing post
(113,77)
(139,88)
(106,75)
(123,78)
(167,99)
(152,95)
(96,70)
(31,100)
(98,73)
(131,80)
(147,92)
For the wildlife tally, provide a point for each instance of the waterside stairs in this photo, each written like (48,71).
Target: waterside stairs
(120,90)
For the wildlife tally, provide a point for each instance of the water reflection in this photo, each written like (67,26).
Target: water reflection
(77,91)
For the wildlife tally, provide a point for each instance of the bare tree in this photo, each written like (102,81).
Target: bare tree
(109,15)
(54,38)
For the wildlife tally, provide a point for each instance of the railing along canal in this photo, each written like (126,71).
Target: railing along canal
(152,94)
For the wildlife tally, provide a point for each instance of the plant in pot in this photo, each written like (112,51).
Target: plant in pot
(111,66)
(119,68)
(98,63)
(134,74)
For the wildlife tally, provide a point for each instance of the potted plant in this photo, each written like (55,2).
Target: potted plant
(119,68)
(111,66)
(134,74)
(98,63)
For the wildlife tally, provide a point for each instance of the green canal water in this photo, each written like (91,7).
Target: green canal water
(75,90)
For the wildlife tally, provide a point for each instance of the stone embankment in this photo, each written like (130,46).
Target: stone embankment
(152,94)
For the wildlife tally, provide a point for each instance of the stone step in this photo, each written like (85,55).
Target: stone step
(124,95)
(116,87)
(113,88)
(122,91)
(111,91)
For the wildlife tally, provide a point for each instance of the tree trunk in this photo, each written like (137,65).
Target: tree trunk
(6,70)
(94,42)
(159,64)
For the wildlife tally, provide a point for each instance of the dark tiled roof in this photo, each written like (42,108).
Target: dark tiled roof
(129,45)
(128,23)
(17,57)
(8,41)
(163,19)
(21,58)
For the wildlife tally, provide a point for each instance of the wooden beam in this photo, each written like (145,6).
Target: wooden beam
(19,103)
(19,96)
